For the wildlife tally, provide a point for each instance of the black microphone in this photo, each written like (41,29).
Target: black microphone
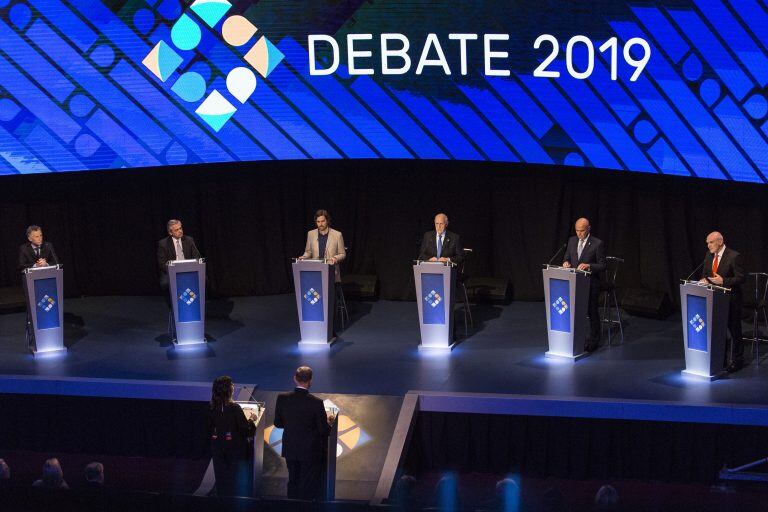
(558,252)
(697,268)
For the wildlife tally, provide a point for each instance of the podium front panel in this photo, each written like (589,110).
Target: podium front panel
(315,290)
(704,322)
(45,296)
(434,298)
(566,295)
(187,288)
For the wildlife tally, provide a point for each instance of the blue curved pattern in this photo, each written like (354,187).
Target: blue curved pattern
(90,85)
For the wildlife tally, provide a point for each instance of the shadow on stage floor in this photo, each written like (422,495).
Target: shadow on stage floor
(254,339)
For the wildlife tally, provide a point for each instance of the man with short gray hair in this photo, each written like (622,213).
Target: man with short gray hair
(441,244)
(35,252)
(176,246)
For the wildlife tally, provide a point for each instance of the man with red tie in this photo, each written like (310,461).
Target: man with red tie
(723,267)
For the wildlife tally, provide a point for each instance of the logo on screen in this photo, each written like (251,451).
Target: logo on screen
(187,33)
(560,306)
(697,323)
(46,303)
(433,299)
(312,296)
(188,297)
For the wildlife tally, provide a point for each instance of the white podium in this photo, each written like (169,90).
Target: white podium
(45,308)
(566,297)
(704,310)
(313,281)
(435,282)
(186,282)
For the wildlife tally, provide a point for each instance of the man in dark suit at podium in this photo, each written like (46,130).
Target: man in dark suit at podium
(586,252)
(723,267)
(306,429)
(35,252)
(176,246)
(441,244)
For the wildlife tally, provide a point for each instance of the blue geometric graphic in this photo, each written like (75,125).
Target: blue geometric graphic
(433,310)
(89,85)
(559,309)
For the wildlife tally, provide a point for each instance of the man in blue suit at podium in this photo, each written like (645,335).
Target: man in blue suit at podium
(441,244)
(176,246)
(586,252)
(35,252)
(722,267)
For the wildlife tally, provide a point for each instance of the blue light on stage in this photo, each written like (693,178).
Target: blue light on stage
(674,87)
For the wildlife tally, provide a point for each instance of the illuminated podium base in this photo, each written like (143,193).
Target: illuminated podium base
(566,295)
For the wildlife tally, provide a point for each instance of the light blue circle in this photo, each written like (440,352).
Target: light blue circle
(756,106)
(8,109)
(103,56)
(86,145)
(692,68)
(143,20)
(20,15)
(709,91)
(190,87)
(644,131)
(574,159)
(80,105)
(176,155)
(185,33)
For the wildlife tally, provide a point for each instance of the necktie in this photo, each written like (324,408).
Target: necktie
(439,245)
(714,265)
(581,248)
(37,252)
(179,250)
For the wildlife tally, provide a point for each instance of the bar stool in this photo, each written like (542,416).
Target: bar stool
(341,302)
(761,304)
(610,302)
(461,282)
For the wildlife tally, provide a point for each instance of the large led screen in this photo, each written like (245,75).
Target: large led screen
(672,86)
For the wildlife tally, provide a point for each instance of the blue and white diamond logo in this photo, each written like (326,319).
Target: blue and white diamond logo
(188,297)
(433,298)
(312,296)
(560,305)
(46,303)
(697,323)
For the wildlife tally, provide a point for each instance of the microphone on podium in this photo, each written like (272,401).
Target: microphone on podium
(697,268)
(558,252)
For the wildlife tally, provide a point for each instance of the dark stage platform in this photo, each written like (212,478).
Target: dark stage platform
(254,340)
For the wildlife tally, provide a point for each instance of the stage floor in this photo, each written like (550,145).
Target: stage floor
(254,339)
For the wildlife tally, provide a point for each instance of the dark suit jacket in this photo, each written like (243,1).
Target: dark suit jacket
(27,256)
(305,424)
(167,252)
(230,431)
(451,247)
(592,254)
(730,268)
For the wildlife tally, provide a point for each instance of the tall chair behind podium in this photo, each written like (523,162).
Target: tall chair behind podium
(759,313)
(610,302)
(461,280)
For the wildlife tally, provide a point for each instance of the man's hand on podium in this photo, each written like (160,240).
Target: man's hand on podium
(715,279)
(42,262)
(332,260)
(583,266)
(566,264)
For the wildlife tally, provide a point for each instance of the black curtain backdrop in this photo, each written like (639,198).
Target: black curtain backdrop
(579,448)
(250,219)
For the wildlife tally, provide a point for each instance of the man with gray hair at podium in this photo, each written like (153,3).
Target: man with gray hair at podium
(723,267)
(176,246)
(325,243)
(586,252)
(441,244)
(34,252)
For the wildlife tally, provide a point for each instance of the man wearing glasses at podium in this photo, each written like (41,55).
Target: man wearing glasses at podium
(176,246)
(325,243)
(35,252)
(722,267)
(586,252)
(441,244)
